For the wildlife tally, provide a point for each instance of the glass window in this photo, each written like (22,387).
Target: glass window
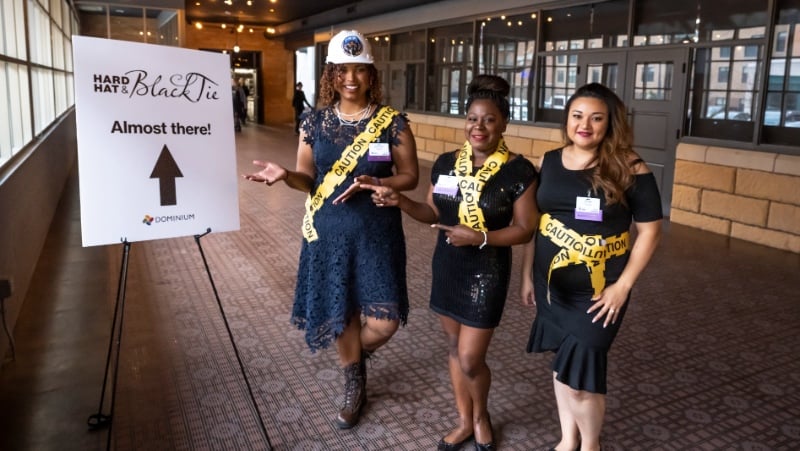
(39,34)
(602,24)
(12,29)
(725,92)
(407,77)
(659,22)
(683,21)
(127,23)
(558,78)
(507,48)
(781,116)
(35,85)
(43,98)
(166,29)
(94,19)
(15,113)
(55,11)
(450,52)
(653,81)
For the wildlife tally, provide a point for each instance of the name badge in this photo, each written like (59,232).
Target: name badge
(588,209)
(446,184)
(379,152)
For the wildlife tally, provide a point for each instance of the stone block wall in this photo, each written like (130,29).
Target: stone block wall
(438,134)
(753,196)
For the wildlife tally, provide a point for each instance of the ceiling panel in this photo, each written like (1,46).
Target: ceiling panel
(272,13)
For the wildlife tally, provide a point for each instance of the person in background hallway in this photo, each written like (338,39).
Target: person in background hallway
(238,100)
(353,256)
(583,263)
(299,103)
(242,92)
(481,199)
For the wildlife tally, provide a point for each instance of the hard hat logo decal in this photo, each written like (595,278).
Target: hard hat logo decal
(352,46)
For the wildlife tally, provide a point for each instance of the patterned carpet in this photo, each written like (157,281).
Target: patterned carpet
(706,360)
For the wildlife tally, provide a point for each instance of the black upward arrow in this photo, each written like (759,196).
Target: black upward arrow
(165,171)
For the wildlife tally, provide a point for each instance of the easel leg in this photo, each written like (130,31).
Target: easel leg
(233,342)
(99,420)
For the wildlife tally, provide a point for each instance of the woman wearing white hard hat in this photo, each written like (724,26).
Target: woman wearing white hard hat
(351,282)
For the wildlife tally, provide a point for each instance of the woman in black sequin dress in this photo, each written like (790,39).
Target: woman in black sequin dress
(353,258)
(481,200)
(583,267)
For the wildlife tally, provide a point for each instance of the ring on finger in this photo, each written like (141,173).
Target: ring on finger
(447,240)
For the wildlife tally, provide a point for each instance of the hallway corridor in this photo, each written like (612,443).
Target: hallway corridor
(707,358)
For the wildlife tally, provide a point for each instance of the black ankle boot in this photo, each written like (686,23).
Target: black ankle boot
(354,397)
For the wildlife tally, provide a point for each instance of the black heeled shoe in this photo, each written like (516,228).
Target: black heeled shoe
(486,446)
(445,446)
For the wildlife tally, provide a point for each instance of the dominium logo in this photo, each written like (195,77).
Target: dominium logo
(149,220)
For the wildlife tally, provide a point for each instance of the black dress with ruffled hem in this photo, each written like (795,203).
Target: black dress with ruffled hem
(562,324)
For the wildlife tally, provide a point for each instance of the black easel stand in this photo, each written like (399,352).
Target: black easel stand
(100,420)
(233,342)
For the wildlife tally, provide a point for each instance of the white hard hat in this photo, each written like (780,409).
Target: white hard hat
(349,46)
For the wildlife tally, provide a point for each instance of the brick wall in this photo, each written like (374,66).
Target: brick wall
(753,196)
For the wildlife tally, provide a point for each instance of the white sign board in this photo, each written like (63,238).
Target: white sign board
(156,148)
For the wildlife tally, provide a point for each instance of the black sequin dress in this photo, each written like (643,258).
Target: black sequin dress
(358,263)
(562,324)
(470,284)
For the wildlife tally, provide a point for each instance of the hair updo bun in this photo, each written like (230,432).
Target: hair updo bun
(490,87)
(491,83)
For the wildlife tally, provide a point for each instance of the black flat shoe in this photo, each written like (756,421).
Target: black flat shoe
(445,446)
(485,446)
(576,449)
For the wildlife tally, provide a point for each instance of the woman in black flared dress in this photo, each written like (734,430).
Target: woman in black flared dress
(584,262)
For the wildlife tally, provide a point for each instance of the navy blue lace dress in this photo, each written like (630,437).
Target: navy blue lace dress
(358,264)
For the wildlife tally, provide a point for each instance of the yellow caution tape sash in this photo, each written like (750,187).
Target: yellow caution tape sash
(343,167)
(577,249)
(469,213)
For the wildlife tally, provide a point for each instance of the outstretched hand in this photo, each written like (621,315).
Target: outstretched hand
(270,174)
(383,196)
(360,183)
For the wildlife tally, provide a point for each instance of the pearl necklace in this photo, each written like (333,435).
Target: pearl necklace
(352,122)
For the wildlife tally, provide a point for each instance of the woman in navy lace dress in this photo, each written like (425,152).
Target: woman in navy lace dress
(353,258)
(481,200)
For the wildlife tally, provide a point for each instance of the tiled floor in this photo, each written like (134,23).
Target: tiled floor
(707,358)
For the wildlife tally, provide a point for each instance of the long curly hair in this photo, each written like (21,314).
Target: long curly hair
(613,172)
(327,84)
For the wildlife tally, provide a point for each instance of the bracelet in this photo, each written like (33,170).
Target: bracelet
(485,240)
